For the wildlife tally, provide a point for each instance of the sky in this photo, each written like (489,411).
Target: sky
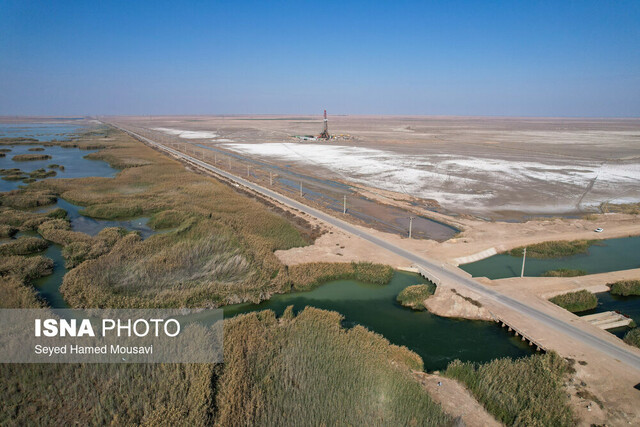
(482,58)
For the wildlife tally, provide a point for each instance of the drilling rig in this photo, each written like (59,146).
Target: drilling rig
(325,130)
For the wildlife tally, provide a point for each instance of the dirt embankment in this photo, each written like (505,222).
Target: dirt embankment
(447,302)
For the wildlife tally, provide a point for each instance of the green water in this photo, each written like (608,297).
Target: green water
(436,339)
(606,255)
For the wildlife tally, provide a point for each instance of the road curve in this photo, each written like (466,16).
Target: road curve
(619,352)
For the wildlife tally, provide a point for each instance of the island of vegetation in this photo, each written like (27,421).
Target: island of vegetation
(576,301)
(30,157)
(554,249)
(625,287)
(414,296)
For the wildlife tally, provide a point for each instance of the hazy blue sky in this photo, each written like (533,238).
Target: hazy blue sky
(452,57)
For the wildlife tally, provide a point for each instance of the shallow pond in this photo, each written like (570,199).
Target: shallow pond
(39,131)
(436,339)
(75,165)
(605,255)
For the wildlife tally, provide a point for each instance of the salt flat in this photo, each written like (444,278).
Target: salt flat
(486,166)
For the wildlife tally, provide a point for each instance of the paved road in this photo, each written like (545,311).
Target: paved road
(460,278)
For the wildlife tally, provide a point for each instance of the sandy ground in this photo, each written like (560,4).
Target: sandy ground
(456,400)
(490,167)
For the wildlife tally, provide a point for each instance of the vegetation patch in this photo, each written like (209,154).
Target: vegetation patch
(22,199)
(304,277)
(308,370)
(5,150)
(625,287)
(42,173)
(30,157)
(36,149)
(18,140)
(576,301)
(414,296)
(23,246)
(25,269)
(625,208)
(56,166)
(7,230)
(633,337)
(523,392)
(564,272)
(554,249)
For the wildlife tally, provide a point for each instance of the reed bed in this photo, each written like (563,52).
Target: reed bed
(522,392)
(564,272)
(554,249)
(576,301)
(30,157)
(23,246)
(633,337)
(625,287)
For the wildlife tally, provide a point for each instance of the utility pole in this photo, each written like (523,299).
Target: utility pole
(410,225)
(247,171)
(300,188)
(215,158)
(524,257)
(344,205)
(229,162)
(271,178)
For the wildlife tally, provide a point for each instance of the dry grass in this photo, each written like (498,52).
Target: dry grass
(307,370)
(628,208)
(522,392)
(23,246)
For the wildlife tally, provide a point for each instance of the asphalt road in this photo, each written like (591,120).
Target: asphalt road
(460,278)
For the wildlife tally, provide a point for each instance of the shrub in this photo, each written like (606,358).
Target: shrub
(633,337)
(625,287)
(521,392)
(564,272)
(36,149)
(414,296)
(576,301)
